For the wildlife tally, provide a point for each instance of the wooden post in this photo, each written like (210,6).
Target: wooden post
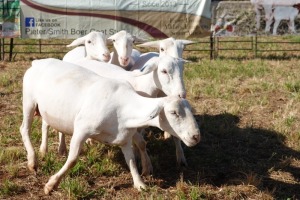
(3,49)
(40,45)
(211,46)
(11,46)
(0,49)
(255,44)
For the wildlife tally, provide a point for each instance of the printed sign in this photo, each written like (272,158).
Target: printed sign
(9,18)
(144,18)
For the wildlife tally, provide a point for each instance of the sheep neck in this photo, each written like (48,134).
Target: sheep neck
(145,85)
(114,58)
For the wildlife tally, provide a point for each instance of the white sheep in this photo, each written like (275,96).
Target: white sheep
(163,73)
(123,54)
(94,48)
(169,46)
(78,102)
(285,13)
(268,6)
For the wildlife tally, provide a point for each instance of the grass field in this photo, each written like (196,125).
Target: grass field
(248,110)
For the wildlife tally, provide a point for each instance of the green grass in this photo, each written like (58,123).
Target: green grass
(9,188)
(248,112)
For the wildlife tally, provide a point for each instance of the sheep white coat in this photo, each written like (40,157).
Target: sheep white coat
(78,102)
(94,48)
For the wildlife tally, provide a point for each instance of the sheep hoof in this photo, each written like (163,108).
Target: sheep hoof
(47,190)
(141,187)
(32,167)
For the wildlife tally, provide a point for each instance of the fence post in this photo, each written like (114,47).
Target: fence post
(211,46)
(40,45)
(0,49)
(255,46)
(11,46)
(3,50)
(216,42)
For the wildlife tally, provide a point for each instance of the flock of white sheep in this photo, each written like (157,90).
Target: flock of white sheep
(276,11)
(109,97)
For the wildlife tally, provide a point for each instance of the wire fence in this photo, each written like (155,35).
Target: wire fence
(212,47)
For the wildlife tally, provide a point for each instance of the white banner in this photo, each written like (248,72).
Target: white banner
(44,19)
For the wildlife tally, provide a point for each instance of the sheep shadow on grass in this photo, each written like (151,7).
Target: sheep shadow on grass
(229,155)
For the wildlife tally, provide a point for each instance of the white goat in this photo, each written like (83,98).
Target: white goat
(123,54)
(94,48)
(169,46)
(268,6)
(163,73)
(285,13)
(78,102)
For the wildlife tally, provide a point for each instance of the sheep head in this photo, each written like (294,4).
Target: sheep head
(95,46)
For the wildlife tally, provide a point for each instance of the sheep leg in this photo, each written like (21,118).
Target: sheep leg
(139,141)
(25,130)
(292,26)
(179,153)
(257,17)
(62,149)
(129,157)
(44,144)
(268,25)
(75,148)
(276,24)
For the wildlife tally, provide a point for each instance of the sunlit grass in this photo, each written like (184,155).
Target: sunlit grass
(248,112)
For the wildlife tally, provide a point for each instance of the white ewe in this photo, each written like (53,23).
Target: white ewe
(94,48)
(78,102)
(268,6)
(169,46)
(163,73)
(124,55)
(285,13)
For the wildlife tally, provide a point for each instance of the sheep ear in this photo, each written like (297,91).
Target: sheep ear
(150,66)
(151,114)
(138,40)
(154,44)
(186,42)
(77,42)
(110,39)
(156,112)
(184,61)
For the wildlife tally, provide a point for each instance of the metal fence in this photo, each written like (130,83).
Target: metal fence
(211,47)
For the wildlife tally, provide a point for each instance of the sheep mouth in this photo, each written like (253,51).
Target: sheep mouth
(105,59)
(190,142)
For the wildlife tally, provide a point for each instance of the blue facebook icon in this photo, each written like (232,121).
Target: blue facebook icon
(29,22)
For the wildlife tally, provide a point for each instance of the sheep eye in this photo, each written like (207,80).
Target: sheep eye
(162,49)
(164,71)
(89,41)
(174,113)
(114,40)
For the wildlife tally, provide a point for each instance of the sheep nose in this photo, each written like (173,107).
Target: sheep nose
(106,55)
(124,59)
(196,138)
(182,96)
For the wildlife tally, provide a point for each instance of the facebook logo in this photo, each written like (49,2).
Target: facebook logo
(29,22)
